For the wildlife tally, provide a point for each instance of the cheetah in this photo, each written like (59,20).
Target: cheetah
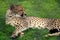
(23,23)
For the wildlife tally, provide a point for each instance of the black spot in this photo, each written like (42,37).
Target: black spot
(21,15)
(17,23)
(10,16)
(53,31)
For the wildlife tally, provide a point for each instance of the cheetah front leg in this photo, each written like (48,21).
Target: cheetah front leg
(53,34)
(18,31)
(15,33)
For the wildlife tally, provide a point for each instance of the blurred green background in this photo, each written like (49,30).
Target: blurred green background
(38,8)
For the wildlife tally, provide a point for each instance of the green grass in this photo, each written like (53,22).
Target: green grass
(39,8)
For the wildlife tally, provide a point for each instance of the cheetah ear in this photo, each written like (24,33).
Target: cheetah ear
(12,6)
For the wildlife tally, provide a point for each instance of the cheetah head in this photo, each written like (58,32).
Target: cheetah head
(14,11)
(17,10)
